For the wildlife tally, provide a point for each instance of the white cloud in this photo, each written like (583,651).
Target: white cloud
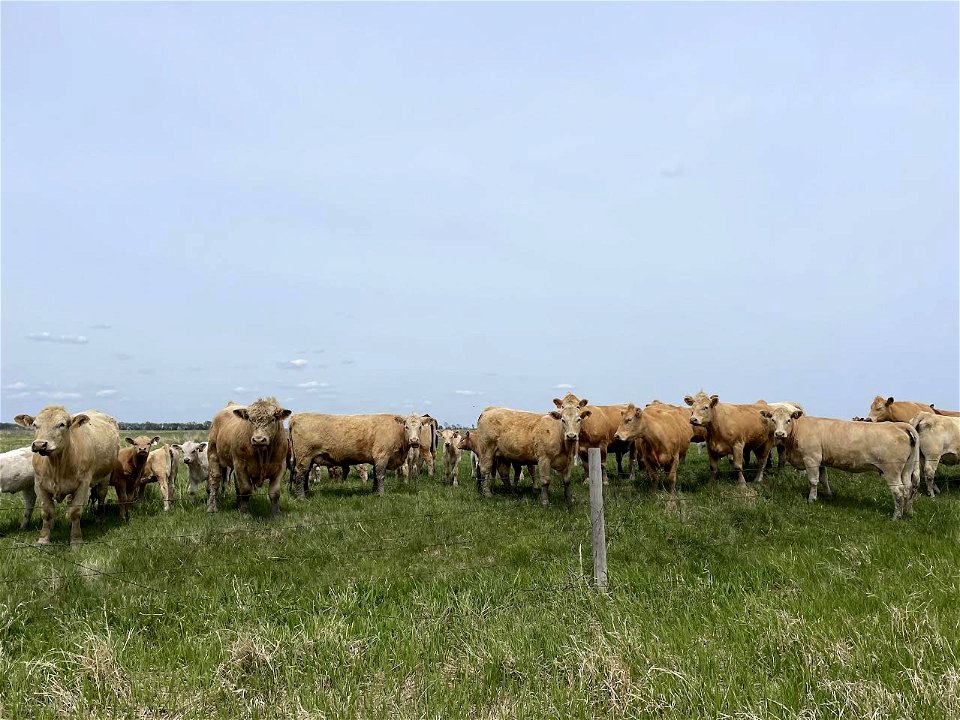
(109,392)
(59,395)
(241,389)
(563,386)
(15,386)
(64,339)
(468,392)
(17,395)
(297,364)
(313,384)
(100,326)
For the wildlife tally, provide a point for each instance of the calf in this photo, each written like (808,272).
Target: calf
(128,473)
(731,430)
(662,434)
(16,475)
(73,456)
(939,442)
(195,458)
(450,440)
(426,452)
(161,468)
(383,440)
(814,444)
(252,441)
(891,410)
(548,440)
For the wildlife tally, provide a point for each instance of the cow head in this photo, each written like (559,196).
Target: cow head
(142,444)
(411,428)
(265,418)
(782,420)
(191,451)
(880,409)
(629,428)
(570,412)
(701,408)
(451,439)
(51,428)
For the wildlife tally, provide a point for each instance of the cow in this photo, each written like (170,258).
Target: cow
(891,410)
(74,455)
(251,440)
(195,458)
(161,468)
(814,444)
(599,430)
(699,432)
(945,413)
(939,442)
(662,435)
(781,460)
(549,440)
(732,430)
(128,473)
(426,452)
(450,441)
(382,439)
(16,475)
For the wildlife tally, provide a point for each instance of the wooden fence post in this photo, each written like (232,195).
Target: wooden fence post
(597,523)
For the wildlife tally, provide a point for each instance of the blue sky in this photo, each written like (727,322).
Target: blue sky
(377,207)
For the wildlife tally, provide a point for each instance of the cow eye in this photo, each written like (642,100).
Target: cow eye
(62,425)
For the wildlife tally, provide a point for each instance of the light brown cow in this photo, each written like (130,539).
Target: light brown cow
(450,442)
(549,440)
(814,444)
(426,452)
(74,455)
(599,430)
(945,413)
(381,439)
(662,434)
(252,441)
(891,410)
(127,476)
(732,430)
(939,442)
(161,468)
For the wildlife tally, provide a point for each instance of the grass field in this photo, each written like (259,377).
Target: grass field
(433,603)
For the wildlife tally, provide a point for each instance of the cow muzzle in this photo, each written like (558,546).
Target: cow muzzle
(415,443)
(260,440)
(780,434)
(571,436)
(41,447)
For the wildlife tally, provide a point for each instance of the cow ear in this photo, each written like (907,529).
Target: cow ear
(637,412)
(714,400)
(585,414)
(177,447)
(889,401)
(201,447)
(282,414)
(156,439)
(796,413)
(24,420)
(240,413)
(130,441)
(400,419)
(555,414)
(688,400)
(558,402)
(583,403)
(767,414)
(456,434)
(78,420)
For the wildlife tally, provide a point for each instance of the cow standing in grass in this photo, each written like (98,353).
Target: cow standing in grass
(195,458)
(450,442)
(16,475)
(74,455)
(161,468)
(939,442)
(599,430)
(814,444)
(383,440)
(250,440)
(128,475)
(732,430)
(549,440)
(426,452)
(662,434)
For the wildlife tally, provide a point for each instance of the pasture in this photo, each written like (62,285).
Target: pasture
(431,602)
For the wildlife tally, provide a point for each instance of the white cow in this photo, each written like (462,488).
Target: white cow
(195,458)
(939,442)
(16,475)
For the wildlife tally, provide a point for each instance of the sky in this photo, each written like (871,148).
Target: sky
(438,207)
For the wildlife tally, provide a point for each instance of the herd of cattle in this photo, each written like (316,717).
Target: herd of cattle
(76,458)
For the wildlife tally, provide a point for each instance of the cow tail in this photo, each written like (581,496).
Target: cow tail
(914,459)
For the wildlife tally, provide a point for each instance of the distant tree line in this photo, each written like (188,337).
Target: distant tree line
(140,425)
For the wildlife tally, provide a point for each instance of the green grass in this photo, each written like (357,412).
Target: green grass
(431,602)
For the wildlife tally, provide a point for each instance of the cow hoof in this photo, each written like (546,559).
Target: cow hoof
(43,541)
(75,541)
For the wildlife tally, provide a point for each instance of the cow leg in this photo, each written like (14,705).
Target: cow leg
(632,459)
(29,502)
(736,462)
(379,475)
(244,488)
(47,510)
(603,467)
(544,473)
(714,463)
(517,476)
(781,457)
(301,476)
(825,482)
(813,478)
(567,487)
(214,477)
(763,460)
(672,474)
(907,489)
(75,509)
(618,454)
(123,499)
(929,471)
(276,484)
(891,474)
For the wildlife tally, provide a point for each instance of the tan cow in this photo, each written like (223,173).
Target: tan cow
(341,440)
(945,413)
(73,456)
(127,476)
(16,475)
(891,410)
(252,441)
(732,430)
(161,468)
(550,440)
(426,452)
(662,434)
(939,442)
(599,430)
(814,444)
(450,441)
